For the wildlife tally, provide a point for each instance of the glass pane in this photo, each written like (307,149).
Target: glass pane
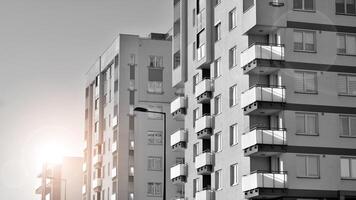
(352,85)
(353,168)
(341,48)
(342,84)
(301,166)
(299,85)
(310,82)
(311,121)
(345,167)
(298,40)
(313,166)
(353,126)
(351,44)
(309,4)
(340,6)
(297,4)
(344,126)
(350,6)
(309,41)
(300,123)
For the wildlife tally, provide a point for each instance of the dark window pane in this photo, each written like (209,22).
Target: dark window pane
(340,6)
(309,4)
(155,75)
(350,6)
(298,4)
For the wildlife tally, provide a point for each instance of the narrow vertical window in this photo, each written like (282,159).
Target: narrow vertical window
(232,19)
(217,68)
(217,32)
(233,95)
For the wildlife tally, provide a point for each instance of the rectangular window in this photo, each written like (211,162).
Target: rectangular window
(154,189)
(217,104)
(156,61)
(132,72)
(217,31)
(218,179)
(193,17)
(196,115)
(308,166)
(348,168)
(218,142)
(96,127)
(306,82)
(201,39)
(346,44)
(217,68)
(307,123)
(132,98)
(194,50)
(347,85)
(233,95)
(234,174)
(233,57)
(234,137)
(347,7)
(306,5)
(155,109)
(154,163)
(232,19)
(155,78)
(195,151)
(154,137)
(196,186)
(196,80)
(96,104)
(304,41)
(347,126)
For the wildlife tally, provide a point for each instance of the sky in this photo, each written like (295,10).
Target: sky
(46,46)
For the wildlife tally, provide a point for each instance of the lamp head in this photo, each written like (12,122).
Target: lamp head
(140,109)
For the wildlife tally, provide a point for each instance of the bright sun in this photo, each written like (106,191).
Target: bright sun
(51,153)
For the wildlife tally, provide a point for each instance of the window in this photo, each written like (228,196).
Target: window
(176,60)
(155,87)
(247,4)
(348,168)
(306,82)
(306,5)
(194,51)
(156,61)
(308,166)
(154,189)
(218,142)
(234,137)
(307,123)
(201,38)
(196,115)
(217,68)
(154,137)
(132,72)
(96,127)
(218,179)
(217,32)
(132,98)
(304,41)
(347,84)
(234,174)
(96,104)
(155,109)
(154,163)
(217,104)
(193,17)
(232,19)
(233,95)
(346,44)
(155,78)
(233,57)
(196,80)
(196,186)
(345,7)
(116,85)
(347,126)
(196,150)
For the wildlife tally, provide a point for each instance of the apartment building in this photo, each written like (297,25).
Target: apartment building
(61,181)
(267,91)
(124,148)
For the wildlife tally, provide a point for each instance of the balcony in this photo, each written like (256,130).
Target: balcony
(179,140)
(262,59)
(97,160)
(178,108)
(261,17)
(203,91)
(263,100)
(84,167)
(205,194)
(264,185)
(204,163)
(203,127)
(97,183)
(179,174)
(84,189)
(114,147)
(114,121)
(264,142)
(113,197)
(113,172)
(132,145)
(96,138)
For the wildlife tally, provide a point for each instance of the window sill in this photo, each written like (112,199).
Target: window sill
(304,134)
(235,184)
(345,136)
(155,93)
(232,67)
(309,177)
(247,9)
(302,10)
(217,77)
(232,28)
(232,106)
(346,14)
(300,92)
(218,151)
(347,95)
(217,114)
(232,145)
(350,55)
(348,178)
(304,51)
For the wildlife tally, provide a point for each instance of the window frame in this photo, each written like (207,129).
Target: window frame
(154,136)
(217,31)
(345,9)
(217,105)
(306,157)
(218,181)
(233,96)
(303,31)
(303,7)
(351,176)
(218,142)
(232,19)
(349,118)
(305,91)
(154,159)
(217,68)
(305,116)
(234,174)
(234,135)
(233,57)
(347,76)
(345,35)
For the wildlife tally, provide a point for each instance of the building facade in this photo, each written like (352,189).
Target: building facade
(62,181)
(124,148)
(267,91)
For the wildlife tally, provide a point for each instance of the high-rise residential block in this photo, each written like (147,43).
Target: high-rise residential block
(123,154)
(267,91)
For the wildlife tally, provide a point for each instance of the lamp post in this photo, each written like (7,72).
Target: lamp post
(141,109)
(65,184)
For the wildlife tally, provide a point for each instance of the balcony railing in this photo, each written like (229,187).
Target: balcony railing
(113,172)
(97,159)
(179,173)
(114,121)
(264,179)
(97,183)
(203,87)
(84,167)
(264,136)
(203,123)
(267,93)
(179,138)
(262,51)
(178,106)
(84,189)
(114,147)
(204,159)
(205,194)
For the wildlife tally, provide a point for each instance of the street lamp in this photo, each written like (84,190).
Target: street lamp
(145,110)
(65,184)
